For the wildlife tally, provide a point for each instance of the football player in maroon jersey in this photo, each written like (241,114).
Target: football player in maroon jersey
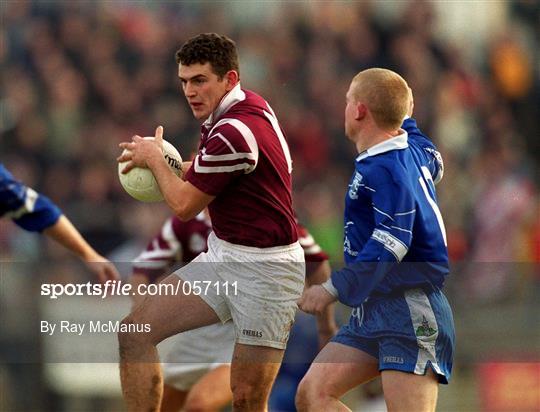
(242,172)
(196,364)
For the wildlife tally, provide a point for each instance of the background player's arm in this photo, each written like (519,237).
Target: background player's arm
(149,266)
(34,212)
(68,236)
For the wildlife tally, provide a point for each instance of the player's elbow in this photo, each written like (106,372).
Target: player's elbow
(188,201)
(184,212)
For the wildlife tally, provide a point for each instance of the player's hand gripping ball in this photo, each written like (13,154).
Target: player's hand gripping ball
(141,184)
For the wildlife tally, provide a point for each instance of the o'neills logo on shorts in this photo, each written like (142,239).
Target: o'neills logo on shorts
(252,333)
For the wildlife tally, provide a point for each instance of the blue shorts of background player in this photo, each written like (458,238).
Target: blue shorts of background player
(408,331)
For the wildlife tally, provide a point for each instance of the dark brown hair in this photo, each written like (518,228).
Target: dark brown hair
(216,49)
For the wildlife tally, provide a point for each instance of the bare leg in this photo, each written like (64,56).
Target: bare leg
(173,399)
(335,371)
(212,392)
(253,371)
(140,372)
(409,392)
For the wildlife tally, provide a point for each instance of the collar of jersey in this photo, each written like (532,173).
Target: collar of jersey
(235,95)
(395,143)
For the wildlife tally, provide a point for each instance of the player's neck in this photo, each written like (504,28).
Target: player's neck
(372,138)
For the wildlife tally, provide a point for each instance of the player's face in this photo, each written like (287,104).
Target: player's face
(203,88)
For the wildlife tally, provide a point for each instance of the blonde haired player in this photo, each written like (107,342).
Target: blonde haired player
(401,327)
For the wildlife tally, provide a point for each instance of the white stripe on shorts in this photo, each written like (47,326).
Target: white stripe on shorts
(422,317)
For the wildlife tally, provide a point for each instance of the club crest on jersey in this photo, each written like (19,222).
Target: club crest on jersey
(353,187)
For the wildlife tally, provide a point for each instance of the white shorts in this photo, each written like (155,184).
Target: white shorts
(256,288)
(188,356)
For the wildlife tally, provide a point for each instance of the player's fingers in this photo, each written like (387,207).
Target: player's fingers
(303,305)
(102,277)
(127,145)
(128,167)
(301,300)
(124,157)
(159,133)
(136,138)
(112,273)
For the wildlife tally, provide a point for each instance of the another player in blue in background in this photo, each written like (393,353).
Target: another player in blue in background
(396,256)
(36,213)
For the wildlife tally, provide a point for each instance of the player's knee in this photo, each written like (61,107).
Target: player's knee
(308,394)
(302,398)
(198,403)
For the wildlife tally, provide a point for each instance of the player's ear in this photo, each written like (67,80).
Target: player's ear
(361,111)
(231,77)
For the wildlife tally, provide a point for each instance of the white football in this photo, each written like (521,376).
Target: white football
(141,184)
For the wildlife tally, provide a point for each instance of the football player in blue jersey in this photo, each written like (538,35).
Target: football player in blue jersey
(401,327)
(36,213)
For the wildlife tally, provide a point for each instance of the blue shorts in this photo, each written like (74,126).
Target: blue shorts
(407,331)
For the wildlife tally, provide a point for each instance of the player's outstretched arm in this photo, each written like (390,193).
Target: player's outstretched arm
(68,236)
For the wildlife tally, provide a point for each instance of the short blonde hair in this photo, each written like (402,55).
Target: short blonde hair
(385,93)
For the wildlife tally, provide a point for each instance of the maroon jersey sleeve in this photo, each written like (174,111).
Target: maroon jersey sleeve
(312,251)
(229,151)
(161,252)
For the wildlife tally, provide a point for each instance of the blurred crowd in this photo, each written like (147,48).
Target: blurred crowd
(79,77)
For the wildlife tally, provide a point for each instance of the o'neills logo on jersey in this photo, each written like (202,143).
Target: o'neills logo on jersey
(355,184)
(252,333)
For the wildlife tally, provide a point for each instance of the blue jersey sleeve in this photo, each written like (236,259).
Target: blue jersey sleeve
(432,159)
(394,210)
(28,209)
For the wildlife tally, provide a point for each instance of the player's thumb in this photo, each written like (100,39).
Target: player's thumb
(159,133)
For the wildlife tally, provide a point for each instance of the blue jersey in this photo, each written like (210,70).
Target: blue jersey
(394,233)
(28,209)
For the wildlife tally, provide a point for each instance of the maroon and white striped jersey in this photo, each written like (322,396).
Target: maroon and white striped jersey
(182,241)
(244,161)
